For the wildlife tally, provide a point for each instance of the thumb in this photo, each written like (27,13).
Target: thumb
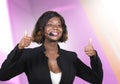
(26,33)
(90,41)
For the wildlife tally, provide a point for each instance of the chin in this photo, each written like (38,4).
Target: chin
(54,40)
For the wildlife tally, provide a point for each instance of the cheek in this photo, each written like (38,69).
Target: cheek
(61,30)
(61,33)
(46,30)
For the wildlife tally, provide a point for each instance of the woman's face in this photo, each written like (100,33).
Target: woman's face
(53,29)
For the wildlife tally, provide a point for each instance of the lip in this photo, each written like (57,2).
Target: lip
(53,33)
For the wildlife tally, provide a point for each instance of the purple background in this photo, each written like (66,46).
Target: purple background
(24,14)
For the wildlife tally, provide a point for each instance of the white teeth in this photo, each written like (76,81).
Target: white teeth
(54,33)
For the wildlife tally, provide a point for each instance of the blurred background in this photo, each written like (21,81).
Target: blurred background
(96,19)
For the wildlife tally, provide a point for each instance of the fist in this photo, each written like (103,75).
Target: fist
(89,50)
(25,41)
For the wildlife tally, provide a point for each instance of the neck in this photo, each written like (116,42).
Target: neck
(51,46)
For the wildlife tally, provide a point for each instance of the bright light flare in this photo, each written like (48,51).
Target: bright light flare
(112,10)
(6,43)
(5,32)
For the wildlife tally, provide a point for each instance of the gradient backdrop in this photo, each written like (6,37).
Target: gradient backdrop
(96,19)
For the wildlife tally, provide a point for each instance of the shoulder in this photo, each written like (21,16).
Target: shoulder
(68,54)
(32,50)
(31,55)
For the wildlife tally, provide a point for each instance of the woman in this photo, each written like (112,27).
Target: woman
(49,64)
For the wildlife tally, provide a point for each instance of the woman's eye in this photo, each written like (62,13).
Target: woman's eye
(49,25)
(59,26)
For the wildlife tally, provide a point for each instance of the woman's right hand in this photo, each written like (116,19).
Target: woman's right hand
(25,41)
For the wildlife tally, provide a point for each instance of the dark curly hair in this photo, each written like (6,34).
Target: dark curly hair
(38,32)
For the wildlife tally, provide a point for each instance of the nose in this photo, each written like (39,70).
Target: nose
(55,26)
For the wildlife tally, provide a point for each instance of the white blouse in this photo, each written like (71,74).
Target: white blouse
(55,77)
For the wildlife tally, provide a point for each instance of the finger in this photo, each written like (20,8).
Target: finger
(91,53)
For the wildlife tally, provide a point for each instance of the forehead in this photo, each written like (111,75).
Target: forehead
(55,20)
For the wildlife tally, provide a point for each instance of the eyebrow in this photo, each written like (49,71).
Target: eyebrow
(51,21)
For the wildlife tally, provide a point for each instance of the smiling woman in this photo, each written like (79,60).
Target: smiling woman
(42,64)
(48,23)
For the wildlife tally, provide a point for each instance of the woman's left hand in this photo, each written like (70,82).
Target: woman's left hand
(89,50)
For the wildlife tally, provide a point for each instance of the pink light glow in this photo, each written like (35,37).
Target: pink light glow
(6,43)
(83,22)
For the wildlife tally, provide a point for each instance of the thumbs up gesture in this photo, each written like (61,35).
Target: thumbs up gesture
(25,41)
(89,50)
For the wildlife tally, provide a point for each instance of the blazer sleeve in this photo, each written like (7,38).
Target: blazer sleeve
(13,65)
(94,74)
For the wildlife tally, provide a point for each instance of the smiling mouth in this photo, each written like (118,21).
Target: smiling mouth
(52,33)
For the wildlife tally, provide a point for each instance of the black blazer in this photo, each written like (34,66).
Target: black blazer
(35,64)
